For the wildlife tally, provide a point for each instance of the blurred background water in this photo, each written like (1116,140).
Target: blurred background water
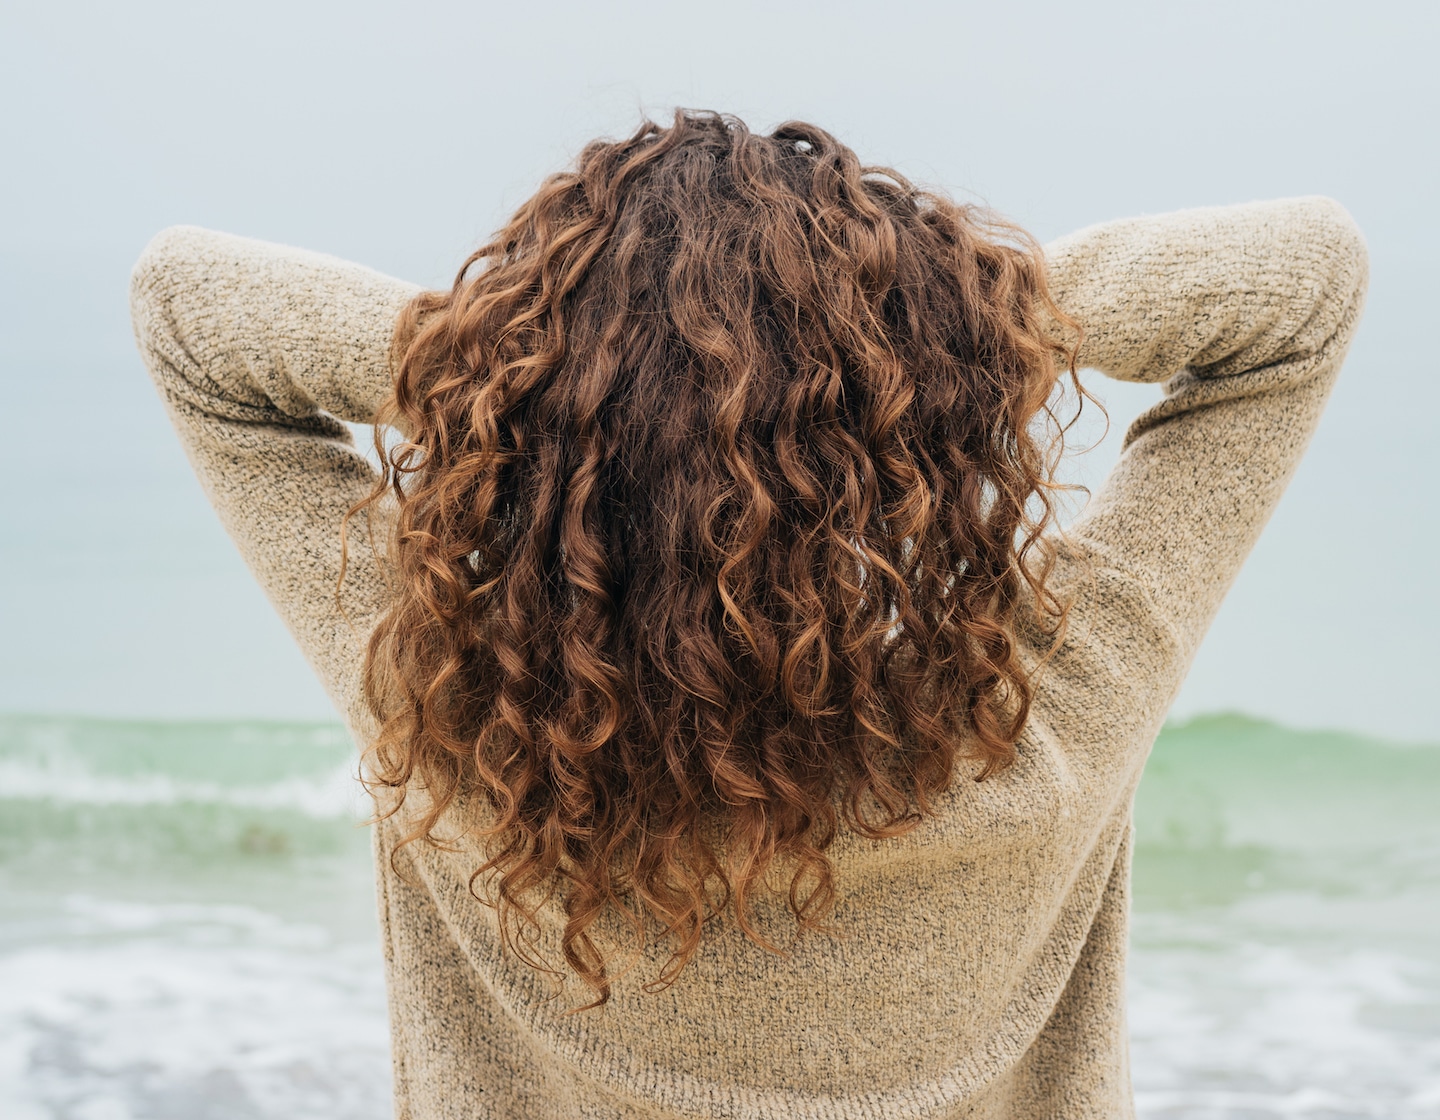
(186,923)
(187,928)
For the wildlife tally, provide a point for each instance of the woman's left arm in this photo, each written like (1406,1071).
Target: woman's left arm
(259,351)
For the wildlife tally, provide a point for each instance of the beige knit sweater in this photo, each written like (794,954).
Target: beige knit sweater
(977,964)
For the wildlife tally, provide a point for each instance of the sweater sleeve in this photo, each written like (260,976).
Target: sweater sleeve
(259,352)
(1245,313)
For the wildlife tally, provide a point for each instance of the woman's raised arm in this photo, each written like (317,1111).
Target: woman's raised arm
(1245,312)
(259,351)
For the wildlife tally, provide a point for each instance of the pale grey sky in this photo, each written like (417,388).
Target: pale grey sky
(400,134)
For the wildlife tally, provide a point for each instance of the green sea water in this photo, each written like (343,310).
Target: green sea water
(186,924)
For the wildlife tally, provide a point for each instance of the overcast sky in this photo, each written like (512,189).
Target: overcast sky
(400,134)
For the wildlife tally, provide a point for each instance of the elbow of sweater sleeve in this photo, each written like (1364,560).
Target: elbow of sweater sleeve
(163,270)
(173,312)
(1291,287)
(168,252)
(1344,256)
(1341,234)
(1352,253)
(1341,272)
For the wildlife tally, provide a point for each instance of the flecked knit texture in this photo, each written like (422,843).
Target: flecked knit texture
(976,968)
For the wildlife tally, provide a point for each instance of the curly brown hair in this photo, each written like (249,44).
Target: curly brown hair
(723,479)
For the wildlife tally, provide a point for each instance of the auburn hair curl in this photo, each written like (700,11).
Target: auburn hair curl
(726,467)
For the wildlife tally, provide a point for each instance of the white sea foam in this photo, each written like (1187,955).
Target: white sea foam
(1229,1027)
(228,1011)
(195,1011)
(64,780)
(1306,988)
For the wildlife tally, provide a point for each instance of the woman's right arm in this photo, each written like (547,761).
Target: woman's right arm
(1245,312)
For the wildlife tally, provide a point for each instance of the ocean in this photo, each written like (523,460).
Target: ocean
(186,926)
